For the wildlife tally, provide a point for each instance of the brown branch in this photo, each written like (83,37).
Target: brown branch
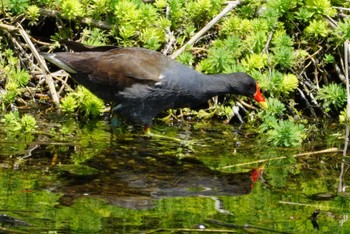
(41,62)
(330,150)
(227,9)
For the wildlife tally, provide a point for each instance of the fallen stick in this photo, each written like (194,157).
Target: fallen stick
(227,9)
(330,150)
(40,60)
(42,64)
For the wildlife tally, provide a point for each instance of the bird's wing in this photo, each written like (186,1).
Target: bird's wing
(134,67)
(119,67)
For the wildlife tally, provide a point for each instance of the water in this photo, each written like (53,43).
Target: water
(82,178)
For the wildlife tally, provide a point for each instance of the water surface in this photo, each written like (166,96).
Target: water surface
(85,178)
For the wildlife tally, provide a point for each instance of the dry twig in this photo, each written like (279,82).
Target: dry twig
(330,150)
(227,9)
(42,64)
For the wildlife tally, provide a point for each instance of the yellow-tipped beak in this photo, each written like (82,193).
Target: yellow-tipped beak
(263,104)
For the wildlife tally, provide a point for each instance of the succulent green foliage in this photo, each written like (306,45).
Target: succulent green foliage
(304,14)
(186,58)
(282,50)
(286,133)
(328,59)
(219,59)
(236,26)
(202,10)
(281,7)
(16,6)
(13,77)
(269,116)
(33,14)
(343,29)
(332,95)
(280,132)
(94,37)
(99,8)
(272,82)
(289,83)
(320,7)
(317,29)
(84,101)
(254,62)
(135,19)
(72,8)
(16,125)
(279,42)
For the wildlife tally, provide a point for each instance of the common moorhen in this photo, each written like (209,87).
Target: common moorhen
(142,83)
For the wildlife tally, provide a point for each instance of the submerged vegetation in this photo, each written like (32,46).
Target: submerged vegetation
(293,48)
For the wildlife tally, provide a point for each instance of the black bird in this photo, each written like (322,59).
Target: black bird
(142,83)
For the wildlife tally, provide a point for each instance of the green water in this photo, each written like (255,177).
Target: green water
(83,178)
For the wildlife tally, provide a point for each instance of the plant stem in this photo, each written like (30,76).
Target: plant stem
(346,61)
(330,150)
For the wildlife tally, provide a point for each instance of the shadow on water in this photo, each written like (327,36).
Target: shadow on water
(92,181)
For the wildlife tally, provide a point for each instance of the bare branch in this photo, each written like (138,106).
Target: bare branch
(193,40)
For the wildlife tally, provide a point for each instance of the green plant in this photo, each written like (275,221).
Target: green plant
(289,83)
(270,81)
(283,56)
(328,59)
(219,59)
(94,37)
(279,132)
(17,125)
(317,29)
(282,50)
(152,38)
(82,100)
(332,95)
(343,116)
(275,107)
(320,7)
(13,78)
(343,29)
(17,6)
(286,133)
(71,9)
(186,58)
(254,61)
(304,14)
(33,14)
(201,10)
(28,123)
(69,103)
(282,7)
